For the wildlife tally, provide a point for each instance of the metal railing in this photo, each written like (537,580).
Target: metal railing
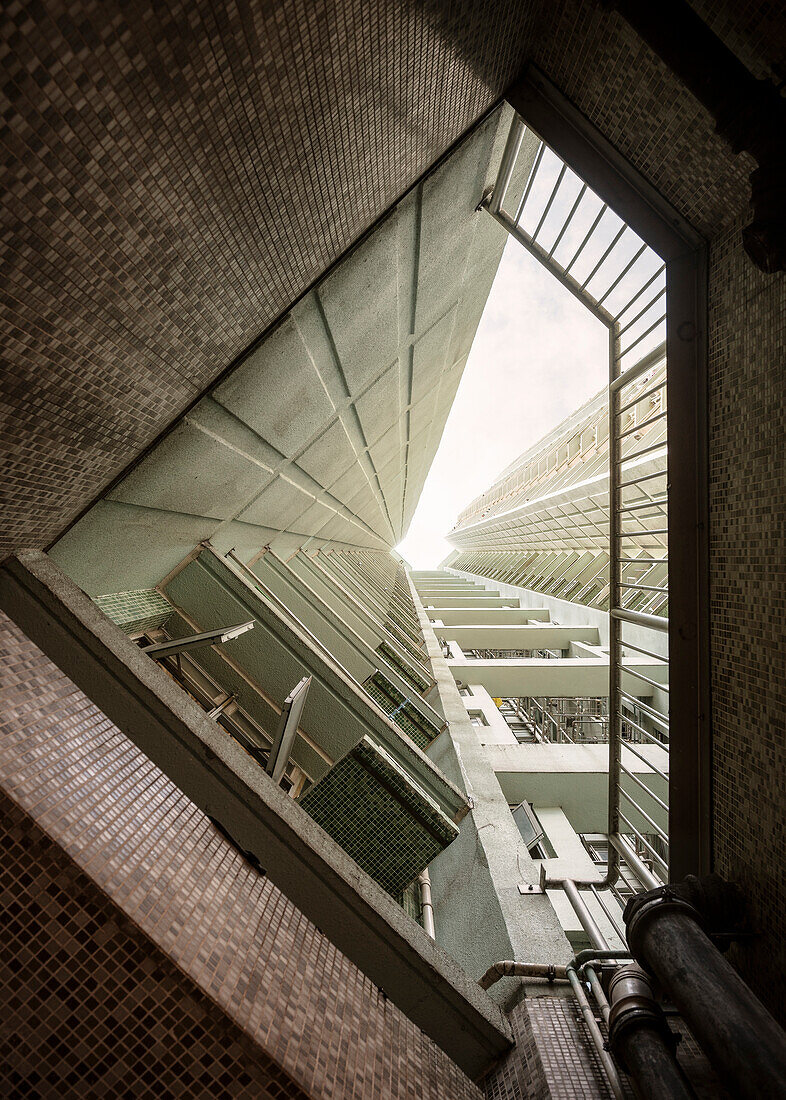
(598,258)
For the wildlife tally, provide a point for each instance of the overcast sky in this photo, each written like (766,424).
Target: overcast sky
(537,356)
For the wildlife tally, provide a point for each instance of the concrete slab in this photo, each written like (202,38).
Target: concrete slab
(454,616)
(358,360)
(519,637)
(468,599)
(517,677)
(575,777)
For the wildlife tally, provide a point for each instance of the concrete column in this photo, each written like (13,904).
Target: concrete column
(481,915)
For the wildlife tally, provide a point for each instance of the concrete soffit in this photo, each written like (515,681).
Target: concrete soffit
(326,430)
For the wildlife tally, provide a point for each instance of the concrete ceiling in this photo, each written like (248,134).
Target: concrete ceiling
(328,428)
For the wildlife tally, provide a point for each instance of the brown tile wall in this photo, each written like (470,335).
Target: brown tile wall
(748,598)
(233,935)
(555,1057)
(91,1007)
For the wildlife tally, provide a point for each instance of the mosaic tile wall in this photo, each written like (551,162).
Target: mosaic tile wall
(136,612)
(520,1076)
(228,929)
(91,1008)
(748,598)
(368,804)
(555,1057)
(409,720)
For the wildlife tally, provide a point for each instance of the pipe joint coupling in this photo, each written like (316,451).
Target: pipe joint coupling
(716,906)
(633,1006)
(642,908)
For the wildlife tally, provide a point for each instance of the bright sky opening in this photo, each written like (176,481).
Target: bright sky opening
(538,355)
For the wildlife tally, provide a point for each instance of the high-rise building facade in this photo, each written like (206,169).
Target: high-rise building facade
(281,817)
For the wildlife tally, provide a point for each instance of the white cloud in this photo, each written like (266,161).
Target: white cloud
(537,356)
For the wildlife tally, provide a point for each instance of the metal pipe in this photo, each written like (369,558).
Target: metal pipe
(610,916)
(510,969)
(597,992)
(636,371)
(640,1038)
(595,1033)
(596,937)
(615,599)
(638,618)
(427,908)
(639,869)
(743,1042)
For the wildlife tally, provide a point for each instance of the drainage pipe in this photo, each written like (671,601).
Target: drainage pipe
(595,1033)
(588,923)
(426,905)
(596,938)
(743,1042)
(510,969)
(641,1040)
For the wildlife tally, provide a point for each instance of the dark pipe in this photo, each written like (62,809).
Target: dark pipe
(749,113)
(640,1038)
(654,1070)
(744,1044)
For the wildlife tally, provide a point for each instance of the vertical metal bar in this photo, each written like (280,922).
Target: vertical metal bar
(615,626)
(568,220)
(530,181)
(552,196)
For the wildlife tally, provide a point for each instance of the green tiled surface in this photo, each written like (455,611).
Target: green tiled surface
(409,720)
(137,611)
(405,640)
(369,805)
(407,673)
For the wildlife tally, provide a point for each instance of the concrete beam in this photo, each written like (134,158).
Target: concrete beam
(480,913)
(468,599)
(218,776)
(576,777)
(446,588)
(519,637)
(449,616)
(517,677)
